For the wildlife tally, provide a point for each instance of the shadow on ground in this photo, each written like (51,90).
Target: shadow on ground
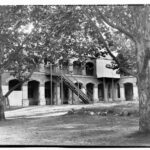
(76,129)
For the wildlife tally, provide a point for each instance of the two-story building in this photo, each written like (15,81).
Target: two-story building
(71,82)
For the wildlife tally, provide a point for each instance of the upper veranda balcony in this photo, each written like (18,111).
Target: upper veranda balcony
(71,67)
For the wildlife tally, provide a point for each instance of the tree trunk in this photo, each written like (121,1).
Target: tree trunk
(2,114)
(144,87)
(2,101)
(144,105)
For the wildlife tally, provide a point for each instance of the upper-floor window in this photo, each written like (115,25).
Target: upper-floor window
(89,69)
(64,65)
(77,69)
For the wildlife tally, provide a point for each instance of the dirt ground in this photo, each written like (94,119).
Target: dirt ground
(64,129)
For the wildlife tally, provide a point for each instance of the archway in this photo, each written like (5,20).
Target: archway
(77,69)
(118,90)
(89,89)
(49,94)
(109,90)
(65,65)
(78,84)
(89,69)
(128,91)
(33,92)
(15,98)
(101,92)
(75,96)
(13,83)
(64,93)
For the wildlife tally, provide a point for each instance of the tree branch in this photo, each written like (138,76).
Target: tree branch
(13,88)
(20,83)
(106,46)
(19,48)
(122,30)
(114,58)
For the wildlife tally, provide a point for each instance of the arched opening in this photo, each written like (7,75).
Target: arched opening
(33,92)
(13,83)
(128,91)
(101,92)
(90,88)
(15,98)
(89,69)
(118,90)
(64,93)
(65,66)
(75,96)
(77,69)
(109,90)
(78,84)
(49,94)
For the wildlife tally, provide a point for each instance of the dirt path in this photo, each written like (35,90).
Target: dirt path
(70,129)
(46,111)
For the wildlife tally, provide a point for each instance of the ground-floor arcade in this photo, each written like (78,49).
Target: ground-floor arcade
(40,90)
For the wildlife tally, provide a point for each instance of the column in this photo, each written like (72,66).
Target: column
(5,90)
(70,66)
(42,95)
(95,93)
(25,99)
(62,92)
(57,68)
(83,89)
(55,94)
(122,92)
(72,101)
(113,91)
(135,92)
(105,91)
(58,94)
(70,96)
(83,70)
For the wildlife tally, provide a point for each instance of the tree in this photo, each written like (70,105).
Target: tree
(82,31)
(20,51)
(12,45)
(134,22)
(131,21)
(67,31)
(125,50)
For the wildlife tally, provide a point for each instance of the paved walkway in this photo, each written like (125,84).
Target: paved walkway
(45,111)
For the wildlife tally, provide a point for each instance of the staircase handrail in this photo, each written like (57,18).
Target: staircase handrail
(73,84)
(82,86)
(59,71)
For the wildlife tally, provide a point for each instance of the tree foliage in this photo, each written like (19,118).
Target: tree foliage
(87,29)
(62,32)
(66,31)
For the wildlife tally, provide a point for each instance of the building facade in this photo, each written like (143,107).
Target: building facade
(69,82)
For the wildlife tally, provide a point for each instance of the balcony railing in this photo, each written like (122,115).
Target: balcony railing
(65,70)
(56,69)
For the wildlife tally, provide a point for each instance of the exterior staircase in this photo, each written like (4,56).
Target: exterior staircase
(75,89)
(59,73)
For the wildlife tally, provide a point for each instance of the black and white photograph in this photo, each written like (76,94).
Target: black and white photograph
(75,75)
